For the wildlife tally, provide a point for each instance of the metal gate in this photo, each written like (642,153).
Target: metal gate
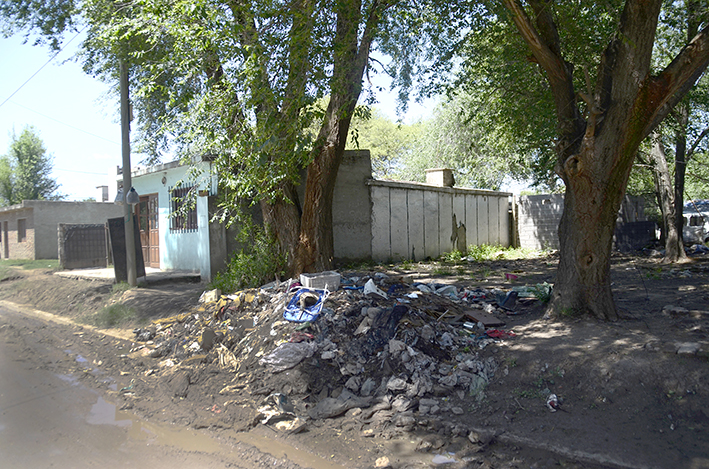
(83,246)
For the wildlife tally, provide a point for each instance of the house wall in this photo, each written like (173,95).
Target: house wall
(538,219)
(178,250)
(15,248)
(48,214)
(416,221)
(42,219)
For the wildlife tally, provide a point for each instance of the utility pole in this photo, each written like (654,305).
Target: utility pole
(131,270)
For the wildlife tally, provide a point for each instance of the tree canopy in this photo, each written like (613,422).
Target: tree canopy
(25,170)
(568,89)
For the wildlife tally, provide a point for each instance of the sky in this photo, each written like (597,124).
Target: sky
(76,116)
(72,112)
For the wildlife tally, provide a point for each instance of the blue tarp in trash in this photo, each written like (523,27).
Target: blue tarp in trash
(295,313)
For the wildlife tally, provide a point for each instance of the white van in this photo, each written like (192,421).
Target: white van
(696,222)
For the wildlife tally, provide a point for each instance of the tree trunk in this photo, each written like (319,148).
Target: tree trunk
(674,250)
(281,218)
(596,152)
(316,244)
(591,204)
(680,170)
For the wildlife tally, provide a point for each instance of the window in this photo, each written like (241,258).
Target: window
(183,209)
(21,230)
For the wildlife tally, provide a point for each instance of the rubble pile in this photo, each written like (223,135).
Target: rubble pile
(388,352)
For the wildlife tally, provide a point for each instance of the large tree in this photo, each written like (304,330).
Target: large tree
(684,132)
(238,80)
(596,148)
(25,170)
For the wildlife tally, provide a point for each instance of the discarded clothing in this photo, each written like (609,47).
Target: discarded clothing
(499,334)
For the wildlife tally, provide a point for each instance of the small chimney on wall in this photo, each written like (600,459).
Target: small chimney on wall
(442,177)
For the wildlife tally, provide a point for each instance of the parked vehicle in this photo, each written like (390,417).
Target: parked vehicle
(696,222)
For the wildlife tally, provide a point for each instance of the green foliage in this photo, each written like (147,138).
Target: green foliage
(487,252)
(453,257)
(120,287)
(111,316)
(543,292)
(455,137)
(390,143)
(256,264)
(25,170)
(499,118)
(31,264)
(50,19)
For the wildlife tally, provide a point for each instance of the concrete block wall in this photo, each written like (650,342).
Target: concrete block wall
(416,221)
(352,207)
(538,218)
(48,214)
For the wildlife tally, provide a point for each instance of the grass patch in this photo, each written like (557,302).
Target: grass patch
(488,252)
(30,264)
(5,273)
(111,316)
(120,287)
(453,257)
(442,271)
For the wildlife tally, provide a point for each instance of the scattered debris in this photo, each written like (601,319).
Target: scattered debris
(383,348)
(553,402)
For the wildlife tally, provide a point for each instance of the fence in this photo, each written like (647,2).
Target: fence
(82,246)
(417,221)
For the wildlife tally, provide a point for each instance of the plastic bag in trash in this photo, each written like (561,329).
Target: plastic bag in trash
(288,355)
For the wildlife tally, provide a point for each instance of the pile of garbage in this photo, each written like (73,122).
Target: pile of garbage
(396,352)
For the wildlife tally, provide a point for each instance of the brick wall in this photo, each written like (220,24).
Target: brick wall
(12,247)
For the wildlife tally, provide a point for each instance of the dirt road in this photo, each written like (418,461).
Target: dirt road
(633,393)
(50,418)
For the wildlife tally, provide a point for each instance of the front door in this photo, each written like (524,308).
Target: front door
(147,214)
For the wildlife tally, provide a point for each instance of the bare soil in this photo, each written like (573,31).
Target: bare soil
(632,393)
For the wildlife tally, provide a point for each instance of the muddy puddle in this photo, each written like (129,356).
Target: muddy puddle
(139,430)
(281,450)
(402,452)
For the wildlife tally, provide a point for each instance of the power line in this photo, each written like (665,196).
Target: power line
(64,123)
(80,172)
(40,68)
